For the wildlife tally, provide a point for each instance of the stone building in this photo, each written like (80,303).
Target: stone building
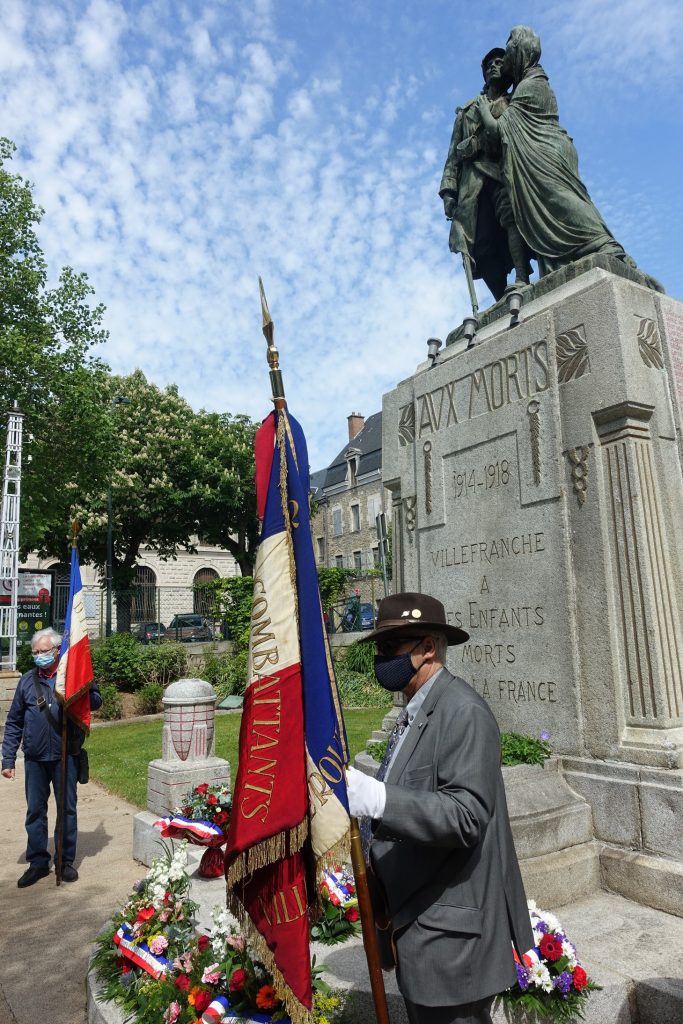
(349,495)
(163,588)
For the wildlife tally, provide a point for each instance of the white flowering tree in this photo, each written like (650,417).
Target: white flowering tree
(151,464)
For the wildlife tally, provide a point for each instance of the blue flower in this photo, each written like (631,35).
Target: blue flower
(523,977)
(563,982)
(545,736)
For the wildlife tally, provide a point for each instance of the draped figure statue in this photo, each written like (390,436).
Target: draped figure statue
(550,204)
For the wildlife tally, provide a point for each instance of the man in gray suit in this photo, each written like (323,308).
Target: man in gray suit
(442,853)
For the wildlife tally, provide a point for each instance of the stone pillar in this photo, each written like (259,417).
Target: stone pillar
(187,759)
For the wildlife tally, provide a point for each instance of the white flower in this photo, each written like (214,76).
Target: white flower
(537,936)
(552,922)
(539,975)
(569,950)
(533,909)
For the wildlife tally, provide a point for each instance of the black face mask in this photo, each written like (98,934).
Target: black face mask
(394,671)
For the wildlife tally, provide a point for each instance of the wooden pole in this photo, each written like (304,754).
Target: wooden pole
(367,920)
(75,527)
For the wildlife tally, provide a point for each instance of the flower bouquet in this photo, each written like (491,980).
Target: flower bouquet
(551,983)
(339,918)
(203,821)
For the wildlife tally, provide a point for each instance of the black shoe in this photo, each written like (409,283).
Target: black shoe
(32,875)
(69,873)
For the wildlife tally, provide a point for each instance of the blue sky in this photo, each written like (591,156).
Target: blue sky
(182,149)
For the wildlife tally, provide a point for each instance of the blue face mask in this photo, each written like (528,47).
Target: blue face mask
(44,659)
(394,671)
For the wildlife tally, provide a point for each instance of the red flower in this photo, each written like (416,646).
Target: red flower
(238,980)
(202,788)
(203,943)
(145,914)
(183,983)
(126,969)
(220,817)
(351,888)
(579,978)
(550,947)
(334,900)
(119,961)
(187,811)
(266,998)
(202,1000)
(212,799)
(351,914)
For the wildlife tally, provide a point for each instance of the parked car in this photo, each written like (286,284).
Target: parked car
(149,632)
(367,618)
(189,629)
(357,615)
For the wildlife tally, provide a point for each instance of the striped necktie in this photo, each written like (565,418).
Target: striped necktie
(400,726)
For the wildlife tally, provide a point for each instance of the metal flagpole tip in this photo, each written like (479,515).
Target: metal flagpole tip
(268,327)
(273,356)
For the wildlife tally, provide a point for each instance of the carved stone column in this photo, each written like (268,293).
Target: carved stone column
(648,622)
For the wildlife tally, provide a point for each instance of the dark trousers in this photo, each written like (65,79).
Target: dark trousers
(40,777)
(468,1013)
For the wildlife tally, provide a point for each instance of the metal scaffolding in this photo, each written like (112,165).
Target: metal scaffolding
(9,540)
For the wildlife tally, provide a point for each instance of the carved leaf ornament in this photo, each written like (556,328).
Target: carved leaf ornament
(649,343)
(406,425)
(572,355)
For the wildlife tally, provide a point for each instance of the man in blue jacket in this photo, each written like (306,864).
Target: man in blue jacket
(35,721)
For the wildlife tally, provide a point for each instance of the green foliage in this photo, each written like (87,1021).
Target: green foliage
(116,659)
(357,690)
(227,672)
(24,658)
(161,664)
(112,705)
(518,749)
(45,338)
(123,660)
(148,700)
(332,583)
(229,599)
(223,491)
(377,750)
(360,658)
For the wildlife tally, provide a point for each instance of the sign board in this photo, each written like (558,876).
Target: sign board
(35,601)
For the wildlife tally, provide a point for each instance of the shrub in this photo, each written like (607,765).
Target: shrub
(116,659)
(149,699)
(378,749)
(226,672)
(112,705)
(518,749)
(357,690)
(161,664)
(360,658)
(24,658)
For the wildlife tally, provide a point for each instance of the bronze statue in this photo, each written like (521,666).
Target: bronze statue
(475,199)
(550,204)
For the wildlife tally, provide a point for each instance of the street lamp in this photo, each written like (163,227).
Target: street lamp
(117,400)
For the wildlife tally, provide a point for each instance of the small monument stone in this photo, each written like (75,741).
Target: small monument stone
(187,759)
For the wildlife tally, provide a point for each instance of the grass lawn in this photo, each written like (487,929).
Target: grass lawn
(119,754)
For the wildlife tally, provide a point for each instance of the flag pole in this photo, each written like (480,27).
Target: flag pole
(379,995)
(75,527)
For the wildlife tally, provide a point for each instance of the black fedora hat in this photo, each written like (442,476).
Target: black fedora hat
(413,614)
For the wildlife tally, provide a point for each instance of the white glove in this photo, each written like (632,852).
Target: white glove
(367,796)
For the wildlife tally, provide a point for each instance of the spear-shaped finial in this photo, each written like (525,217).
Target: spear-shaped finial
(273,355)
(75,530)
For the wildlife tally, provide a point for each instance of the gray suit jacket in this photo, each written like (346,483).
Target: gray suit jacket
(444,856)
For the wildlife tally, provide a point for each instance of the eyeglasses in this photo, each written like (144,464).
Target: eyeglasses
(388,648)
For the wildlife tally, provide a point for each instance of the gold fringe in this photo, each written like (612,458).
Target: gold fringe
(270,851)
(338,854)
(296,1010)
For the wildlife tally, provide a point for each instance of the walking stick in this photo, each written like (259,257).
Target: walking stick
(60,803)
(367,920)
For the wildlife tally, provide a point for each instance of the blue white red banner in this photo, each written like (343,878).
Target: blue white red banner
(290,785)
(75,674)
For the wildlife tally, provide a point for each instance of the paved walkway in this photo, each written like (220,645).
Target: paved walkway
(46,932)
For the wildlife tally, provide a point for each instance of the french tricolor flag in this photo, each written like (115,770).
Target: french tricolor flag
(75,673)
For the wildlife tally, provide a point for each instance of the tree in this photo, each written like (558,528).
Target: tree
(224,494)
(152,464)
(46,367)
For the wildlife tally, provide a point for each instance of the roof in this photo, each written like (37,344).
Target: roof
(368,443)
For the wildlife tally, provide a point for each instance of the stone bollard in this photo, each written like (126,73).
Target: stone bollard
(187,760)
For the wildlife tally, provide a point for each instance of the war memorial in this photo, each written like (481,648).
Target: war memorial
(535,463)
